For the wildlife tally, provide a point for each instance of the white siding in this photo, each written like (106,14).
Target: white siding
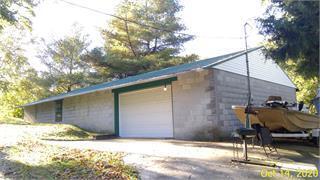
(260,68)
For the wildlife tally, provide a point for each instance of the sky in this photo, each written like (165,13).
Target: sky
(217,25)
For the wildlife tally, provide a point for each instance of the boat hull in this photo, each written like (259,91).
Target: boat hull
(279,118)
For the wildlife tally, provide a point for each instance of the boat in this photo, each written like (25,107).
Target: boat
(278,118)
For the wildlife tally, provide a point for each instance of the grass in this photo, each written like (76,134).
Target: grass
(12,120)
(32,158)
(67,132)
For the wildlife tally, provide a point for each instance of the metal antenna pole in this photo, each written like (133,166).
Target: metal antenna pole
(248,79)
(248,132)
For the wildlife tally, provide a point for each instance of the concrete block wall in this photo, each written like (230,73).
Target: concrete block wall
(202,101)
(45,112)
(231,89)
(191,96)
(94,111)
(29,113)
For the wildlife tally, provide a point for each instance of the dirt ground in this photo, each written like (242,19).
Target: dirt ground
(174,159)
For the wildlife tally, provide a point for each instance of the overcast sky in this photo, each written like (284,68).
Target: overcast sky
(218,25)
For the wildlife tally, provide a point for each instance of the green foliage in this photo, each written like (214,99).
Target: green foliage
(14,12)
(292,29)
(18,80)
(129,40)
(19,92)
(18,83)
(307,86)
(109,67)
(153,42)
(146,37)
(66,69)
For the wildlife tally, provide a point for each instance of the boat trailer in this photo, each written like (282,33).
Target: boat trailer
(312,135)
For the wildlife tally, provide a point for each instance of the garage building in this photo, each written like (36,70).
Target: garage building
(189,101)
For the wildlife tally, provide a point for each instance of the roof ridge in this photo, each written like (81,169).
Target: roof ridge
(194,62)
(171,67)
(232,57)
(143,76)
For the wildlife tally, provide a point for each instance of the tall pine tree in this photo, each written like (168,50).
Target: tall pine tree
(292,31)
(146,36)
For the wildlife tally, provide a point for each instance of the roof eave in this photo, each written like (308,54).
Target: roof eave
(103,89)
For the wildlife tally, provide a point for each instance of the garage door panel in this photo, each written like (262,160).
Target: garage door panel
(145,100)
(142,107)
(146,120)
(146,113)
(142,111)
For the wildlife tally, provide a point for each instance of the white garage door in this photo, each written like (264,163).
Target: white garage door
(146,113)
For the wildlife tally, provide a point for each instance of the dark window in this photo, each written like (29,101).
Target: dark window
(58,108)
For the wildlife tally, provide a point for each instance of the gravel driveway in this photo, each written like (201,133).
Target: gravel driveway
(173,159)
(164,159)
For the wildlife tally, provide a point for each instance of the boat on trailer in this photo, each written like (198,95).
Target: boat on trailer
(279,118)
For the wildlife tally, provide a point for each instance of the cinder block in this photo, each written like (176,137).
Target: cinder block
(212,118)
(186,86)
(220,123)
(190,105)
(211,105)
(231,89)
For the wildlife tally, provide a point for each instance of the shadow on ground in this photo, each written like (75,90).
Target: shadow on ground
(298,151)
(16,170)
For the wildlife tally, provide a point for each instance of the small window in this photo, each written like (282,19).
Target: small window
(58,108)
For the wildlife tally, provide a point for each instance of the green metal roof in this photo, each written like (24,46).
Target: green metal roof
(149,76)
